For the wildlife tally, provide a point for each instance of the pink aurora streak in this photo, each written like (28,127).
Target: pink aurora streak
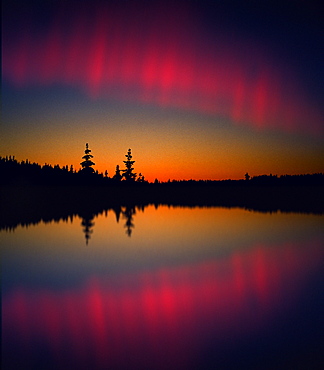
(161,60)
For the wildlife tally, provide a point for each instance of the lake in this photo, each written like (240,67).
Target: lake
(162,287)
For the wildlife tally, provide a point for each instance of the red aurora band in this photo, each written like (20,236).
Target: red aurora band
(163,57)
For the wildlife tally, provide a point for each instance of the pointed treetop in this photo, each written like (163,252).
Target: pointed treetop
(129,154)
(87,150)
(87,163)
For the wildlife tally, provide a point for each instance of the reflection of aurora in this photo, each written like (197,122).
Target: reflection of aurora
(183,316)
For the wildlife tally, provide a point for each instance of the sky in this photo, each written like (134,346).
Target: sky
(197,89)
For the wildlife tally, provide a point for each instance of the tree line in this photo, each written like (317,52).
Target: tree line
(25,172)
(13,172)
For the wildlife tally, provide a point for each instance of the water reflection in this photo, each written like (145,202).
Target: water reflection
(87,224)
(179,318)
(191,289)
(127,213)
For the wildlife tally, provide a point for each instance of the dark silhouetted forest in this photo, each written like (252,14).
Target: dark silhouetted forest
(26,173)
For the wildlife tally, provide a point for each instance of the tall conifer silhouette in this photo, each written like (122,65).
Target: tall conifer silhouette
(87,163)
(128,173)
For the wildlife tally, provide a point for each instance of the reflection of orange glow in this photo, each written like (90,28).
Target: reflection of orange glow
(155,316)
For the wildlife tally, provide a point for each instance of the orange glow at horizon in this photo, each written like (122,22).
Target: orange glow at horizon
(182,152)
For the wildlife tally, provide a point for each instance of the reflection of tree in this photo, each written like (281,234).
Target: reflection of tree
(117,210)
(128,214)
(87,224)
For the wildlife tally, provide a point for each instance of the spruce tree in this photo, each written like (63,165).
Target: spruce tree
(128,173)
(87,163)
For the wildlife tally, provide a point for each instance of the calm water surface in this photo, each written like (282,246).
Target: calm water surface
(164,288)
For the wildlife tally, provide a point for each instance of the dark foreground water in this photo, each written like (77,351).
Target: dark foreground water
(164,288)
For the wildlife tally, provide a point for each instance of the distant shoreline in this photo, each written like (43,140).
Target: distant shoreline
(24,205)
